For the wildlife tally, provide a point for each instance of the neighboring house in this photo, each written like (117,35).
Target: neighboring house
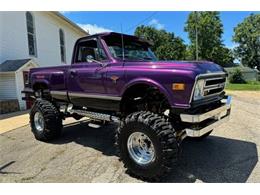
(249,74)
(31,39)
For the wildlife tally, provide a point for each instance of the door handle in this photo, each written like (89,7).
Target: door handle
(73,73)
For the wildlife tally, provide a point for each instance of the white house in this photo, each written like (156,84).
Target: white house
(31,39)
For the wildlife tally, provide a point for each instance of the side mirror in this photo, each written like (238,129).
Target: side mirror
(90,58)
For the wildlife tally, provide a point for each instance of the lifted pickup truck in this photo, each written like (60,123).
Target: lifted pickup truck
(116,78)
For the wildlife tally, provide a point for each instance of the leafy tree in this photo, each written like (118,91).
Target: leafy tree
(166,45)
(223,56)
(247,35)
(209,32)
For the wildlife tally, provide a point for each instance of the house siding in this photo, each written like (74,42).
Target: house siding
(14,43)
(7,86)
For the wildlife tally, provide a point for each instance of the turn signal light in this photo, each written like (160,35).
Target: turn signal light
(178,86)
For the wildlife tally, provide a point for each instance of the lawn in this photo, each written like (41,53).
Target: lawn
(254,86)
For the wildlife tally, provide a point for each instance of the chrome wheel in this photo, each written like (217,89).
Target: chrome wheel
(140,148)
(39,121)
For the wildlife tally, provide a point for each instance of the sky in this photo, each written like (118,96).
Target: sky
(126,22)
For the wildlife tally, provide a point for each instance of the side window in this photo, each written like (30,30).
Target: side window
(62,46)
(31,34)
(90,48)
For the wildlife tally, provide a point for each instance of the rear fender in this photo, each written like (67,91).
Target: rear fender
(43,82)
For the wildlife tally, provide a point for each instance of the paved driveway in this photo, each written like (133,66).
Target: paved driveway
(85,154)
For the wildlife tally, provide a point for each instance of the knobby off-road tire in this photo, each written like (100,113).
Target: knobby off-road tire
(45,121)
(162,137)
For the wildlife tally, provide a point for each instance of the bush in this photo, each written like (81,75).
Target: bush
(237,77)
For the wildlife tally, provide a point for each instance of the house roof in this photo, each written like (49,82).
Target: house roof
(13,65)
(241,68)
(58,14)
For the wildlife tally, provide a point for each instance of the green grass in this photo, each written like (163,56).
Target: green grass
(250,86)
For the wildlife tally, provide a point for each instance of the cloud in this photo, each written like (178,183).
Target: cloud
(93,28)
(232,45)
(64,12)
(156,24)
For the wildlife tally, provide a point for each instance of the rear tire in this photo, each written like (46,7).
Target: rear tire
(45,121)
(155,153)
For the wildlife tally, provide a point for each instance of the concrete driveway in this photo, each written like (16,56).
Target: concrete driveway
(85,154)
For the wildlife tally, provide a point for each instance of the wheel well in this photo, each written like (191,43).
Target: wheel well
(41,90)
(145,96)
(38,86)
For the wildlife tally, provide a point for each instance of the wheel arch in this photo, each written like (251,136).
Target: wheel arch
(147,82)
(143,83)
(40,85)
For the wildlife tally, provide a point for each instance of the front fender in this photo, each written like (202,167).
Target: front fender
(147,81)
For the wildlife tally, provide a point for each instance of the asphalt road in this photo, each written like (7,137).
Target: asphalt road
(85,154)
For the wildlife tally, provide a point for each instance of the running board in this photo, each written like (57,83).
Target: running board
(94,115)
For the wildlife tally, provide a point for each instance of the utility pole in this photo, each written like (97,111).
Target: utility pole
(122,42)
(196,31)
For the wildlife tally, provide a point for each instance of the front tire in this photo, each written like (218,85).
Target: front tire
(147,145)
(45,121)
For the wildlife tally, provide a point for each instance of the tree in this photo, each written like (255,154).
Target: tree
(166,45)
(209,32)
(247,35)
(223,56)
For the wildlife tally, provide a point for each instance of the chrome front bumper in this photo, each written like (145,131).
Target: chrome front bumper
(216,117)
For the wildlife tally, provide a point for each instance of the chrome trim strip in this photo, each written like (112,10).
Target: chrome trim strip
(115,98)
(216,86)
(215,78)
(53,92)
(200,132)
(197,118)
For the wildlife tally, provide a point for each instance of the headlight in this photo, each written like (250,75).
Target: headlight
(199,90)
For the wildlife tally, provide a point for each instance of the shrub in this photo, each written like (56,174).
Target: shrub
(237,77)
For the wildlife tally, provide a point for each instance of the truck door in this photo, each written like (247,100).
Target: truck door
(86,79)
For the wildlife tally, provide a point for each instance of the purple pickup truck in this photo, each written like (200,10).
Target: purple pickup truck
(116,78)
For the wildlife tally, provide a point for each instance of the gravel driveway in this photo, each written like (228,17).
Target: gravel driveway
(85,154)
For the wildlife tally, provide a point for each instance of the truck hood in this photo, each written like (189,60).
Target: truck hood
(199,67)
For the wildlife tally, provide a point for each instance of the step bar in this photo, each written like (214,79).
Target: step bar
(92,115)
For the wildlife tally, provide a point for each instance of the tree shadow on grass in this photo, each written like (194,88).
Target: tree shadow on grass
(215,159)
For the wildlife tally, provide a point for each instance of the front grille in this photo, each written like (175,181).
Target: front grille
(214,86)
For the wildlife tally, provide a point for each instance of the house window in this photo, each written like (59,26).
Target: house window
(62,46)
(31,34)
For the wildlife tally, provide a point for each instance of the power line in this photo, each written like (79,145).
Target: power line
(141,22)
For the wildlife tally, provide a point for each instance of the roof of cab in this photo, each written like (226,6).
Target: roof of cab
(103,34)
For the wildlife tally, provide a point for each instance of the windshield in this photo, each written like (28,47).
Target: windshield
(133,49)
